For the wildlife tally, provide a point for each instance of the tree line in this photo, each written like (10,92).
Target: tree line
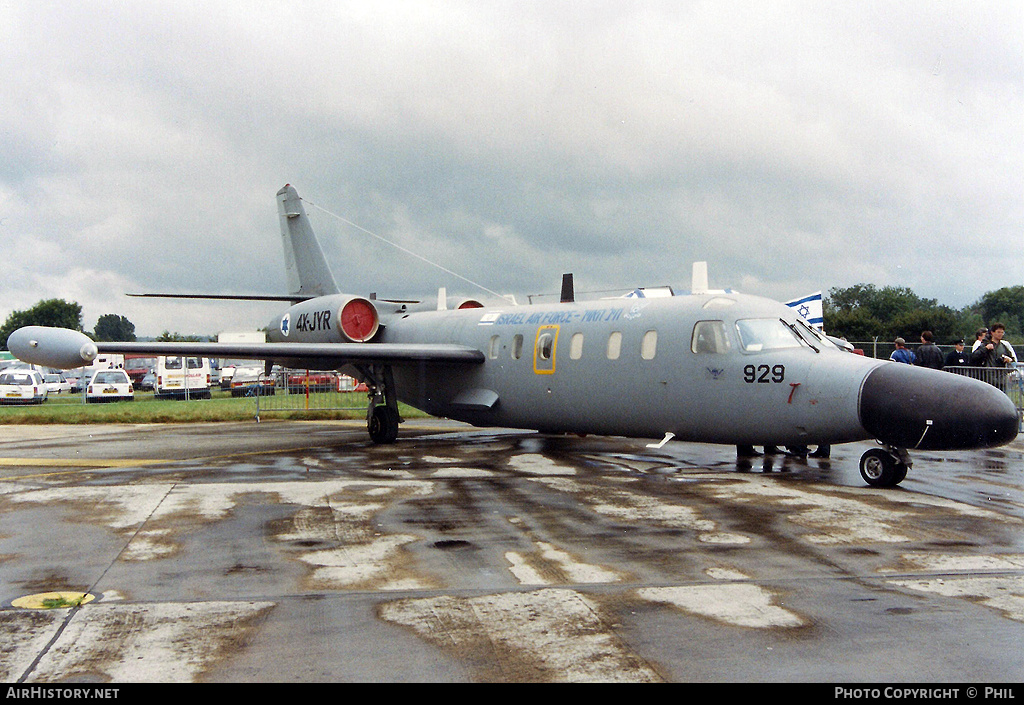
(58,313)
(865,313)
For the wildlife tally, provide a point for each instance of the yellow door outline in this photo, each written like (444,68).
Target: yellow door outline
(544,347)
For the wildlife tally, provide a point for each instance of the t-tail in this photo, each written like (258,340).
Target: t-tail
(306,269)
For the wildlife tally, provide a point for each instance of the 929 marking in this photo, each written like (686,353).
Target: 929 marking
(763,374)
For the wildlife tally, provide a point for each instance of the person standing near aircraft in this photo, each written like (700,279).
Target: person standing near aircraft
(993,351)
(929,354)
(978,335)
(902,353)
(958,356)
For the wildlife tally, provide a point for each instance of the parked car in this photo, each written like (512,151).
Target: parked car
(313,382)
(110,385)
(21,386)
(56,384)
(79,379)
(249,380)
(148,382)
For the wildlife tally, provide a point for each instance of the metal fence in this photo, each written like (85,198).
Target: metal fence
(301,390)
(882,349)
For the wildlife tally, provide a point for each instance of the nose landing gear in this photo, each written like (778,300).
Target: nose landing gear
(885,467)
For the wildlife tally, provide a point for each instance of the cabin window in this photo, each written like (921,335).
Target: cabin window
(576,346)
(495,346)
(757,334)
(649,345)
(545,346)
(614,345)
(517,347)
(709,337)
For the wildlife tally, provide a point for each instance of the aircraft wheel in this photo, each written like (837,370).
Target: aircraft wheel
(880,469)
(383,425)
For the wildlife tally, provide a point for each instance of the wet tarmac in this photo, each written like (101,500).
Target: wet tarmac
(300,552)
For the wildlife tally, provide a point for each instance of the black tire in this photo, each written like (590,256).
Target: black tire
(383,425)
(880,469)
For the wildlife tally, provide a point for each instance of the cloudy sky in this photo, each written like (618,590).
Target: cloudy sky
(795,146)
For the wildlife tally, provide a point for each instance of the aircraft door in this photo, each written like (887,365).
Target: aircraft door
(544,348)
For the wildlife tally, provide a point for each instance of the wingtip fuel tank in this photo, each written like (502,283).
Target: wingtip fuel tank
(52,347)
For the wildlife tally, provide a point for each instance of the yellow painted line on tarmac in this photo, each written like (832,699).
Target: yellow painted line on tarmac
(77,462)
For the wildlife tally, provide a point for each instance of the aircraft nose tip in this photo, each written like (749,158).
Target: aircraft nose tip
(913,407)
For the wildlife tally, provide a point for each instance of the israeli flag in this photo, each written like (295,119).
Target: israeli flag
(810,309)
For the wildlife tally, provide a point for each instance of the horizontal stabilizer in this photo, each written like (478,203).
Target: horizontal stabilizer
(293,298)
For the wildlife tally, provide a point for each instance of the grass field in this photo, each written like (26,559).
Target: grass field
(71,409)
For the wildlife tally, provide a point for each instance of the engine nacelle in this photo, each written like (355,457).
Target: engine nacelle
(328,319)
(358,320)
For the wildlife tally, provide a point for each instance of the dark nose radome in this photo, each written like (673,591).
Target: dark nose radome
(914,407)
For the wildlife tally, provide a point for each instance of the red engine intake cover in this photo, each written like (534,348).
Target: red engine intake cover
(358,320)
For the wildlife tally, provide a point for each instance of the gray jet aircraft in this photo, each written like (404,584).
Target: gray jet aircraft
(711,366)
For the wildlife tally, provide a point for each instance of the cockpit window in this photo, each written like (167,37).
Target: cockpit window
(757,334)
(709,337)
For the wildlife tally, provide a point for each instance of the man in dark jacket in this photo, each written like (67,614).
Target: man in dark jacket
(958,357)
(993,351)
(929,354)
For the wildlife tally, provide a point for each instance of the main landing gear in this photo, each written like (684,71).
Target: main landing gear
(885,467)
(382,424)
(382,417)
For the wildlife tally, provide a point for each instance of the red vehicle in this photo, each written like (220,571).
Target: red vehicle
(137,366)
(313,382)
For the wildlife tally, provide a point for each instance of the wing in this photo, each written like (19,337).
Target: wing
(65,349)
(326,356)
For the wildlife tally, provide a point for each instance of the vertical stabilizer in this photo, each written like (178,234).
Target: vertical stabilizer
(306,268)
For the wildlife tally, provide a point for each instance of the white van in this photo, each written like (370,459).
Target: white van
(171,378)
